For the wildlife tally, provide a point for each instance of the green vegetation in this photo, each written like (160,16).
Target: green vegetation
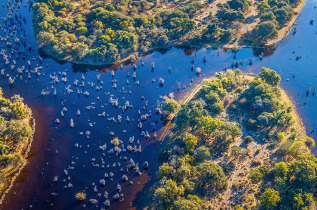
(170,106)
(104,32)
(274,15)
(208,161)
(15,135)
(98,32)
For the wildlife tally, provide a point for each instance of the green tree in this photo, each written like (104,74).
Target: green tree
(20,110)
(263,6)
(185,204)
(270,76)
(270,198)
(190,143)
(170,106)
(210,176)
(208,125)
(281,170)
(202,154)
(165,196)
(17,132)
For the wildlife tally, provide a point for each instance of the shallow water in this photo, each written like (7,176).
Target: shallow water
(53,149)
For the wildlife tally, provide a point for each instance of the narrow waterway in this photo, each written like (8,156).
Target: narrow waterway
(58,147)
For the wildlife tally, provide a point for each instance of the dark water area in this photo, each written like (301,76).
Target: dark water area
(55,145)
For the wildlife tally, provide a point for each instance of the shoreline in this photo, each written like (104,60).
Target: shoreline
(287,29)
(286,101)
(282,33)
(14,176)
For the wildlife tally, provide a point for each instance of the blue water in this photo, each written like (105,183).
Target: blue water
(54,145)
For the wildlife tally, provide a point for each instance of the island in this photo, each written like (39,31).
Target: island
(106,32)
(238,144)
(16,136)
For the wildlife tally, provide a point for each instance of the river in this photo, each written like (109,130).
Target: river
(57,146)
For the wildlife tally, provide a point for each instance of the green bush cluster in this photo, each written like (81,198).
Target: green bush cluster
(189,177)
(15,128)
(273,16)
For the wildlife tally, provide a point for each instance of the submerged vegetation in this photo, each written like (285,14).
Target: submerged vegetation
(99,32)
(16,133)
(251,151)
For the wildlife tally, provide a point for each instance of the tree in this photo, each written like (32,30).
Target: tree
(303,201)
(211,98)
(4,148)
(263,6)
(79,49)
(242,5)
(270,76)
(304,173)
(125,39)
(185,204)
(82,30)
(170,106)
(202,154)
(310,143)
(283,15)
(166,195)
(265,31)
(210,176)
(267,16)
(20,110)
(281,170)
(270,198)
(45,38)
(248,139)
(17,132)
(208,125)
(190,143)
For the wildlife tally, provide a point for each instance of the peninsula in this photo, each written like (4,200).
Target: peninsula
(238,144)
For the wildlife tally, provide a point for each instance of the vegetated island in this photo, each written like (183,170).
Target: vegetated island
(105,32)
(16,136)
(238,145)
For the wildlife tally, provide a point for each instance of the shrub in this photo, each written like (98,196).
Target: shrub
(248,139)
(211,176)
(310,143)
(280,136)
(270,198)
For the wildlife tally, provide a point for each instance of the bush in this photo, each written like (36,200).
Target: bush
(190,143)
(280,136)
(310,143)
(248,139)
(270,198)
(215,108)
(210,176)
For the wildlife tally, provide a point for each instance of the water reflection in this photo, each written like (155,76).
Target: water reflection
(54,147)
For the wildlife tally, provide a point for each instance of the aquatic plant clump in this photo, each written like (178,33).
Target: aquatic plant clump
(224,158)
(99,32)
(81,196)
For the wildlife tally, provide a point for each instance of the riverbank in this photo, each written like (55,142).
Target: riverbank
(286,29)
(85,36)
(14,154)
